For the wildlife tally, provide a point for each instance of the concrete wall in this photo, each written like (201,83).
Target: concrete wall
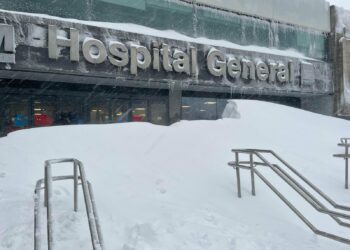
(340,23)
(318,104)
(295,12)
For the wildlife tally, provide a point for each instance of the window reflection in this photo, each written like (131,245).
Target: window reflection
(44,112)
(71,112)
(120,111)
(159,114)
(16,115)
(195,108)
(139,111)
(99,113)
(27,111)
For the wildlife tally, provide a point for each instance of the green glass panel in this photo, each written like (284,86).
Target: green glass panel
(181,17)
(136,4)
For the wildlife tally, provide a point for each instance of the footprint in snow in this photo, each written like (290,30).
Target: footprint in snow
(160,187)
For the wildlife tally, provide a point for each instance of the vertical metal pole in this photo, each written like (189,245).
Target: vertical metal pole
(89,211)
(238,177)
(97,219)
(252,173)
(49,207)
(346,167)
(75,186)
(45,187)
(37,227)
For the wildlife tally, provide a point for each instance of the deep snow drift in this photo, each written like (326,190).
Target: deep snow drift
(170,187)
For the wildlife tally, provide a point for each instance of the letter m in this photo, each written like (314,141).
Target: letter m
(7,43)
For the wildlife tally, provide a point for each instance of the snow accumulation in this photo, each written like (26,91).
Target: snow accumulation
(171,34)
(170,187)
(340,3)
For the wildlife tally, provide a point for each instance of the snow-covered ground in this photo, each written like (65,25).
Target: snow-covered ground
(340,3)
(170,187)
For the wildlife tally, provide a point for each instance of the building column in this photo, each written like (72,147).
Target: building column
(175,96)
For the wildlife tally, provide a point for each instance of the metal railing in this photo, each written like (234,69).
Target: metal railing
(345,142)
(252,165)
(91,211)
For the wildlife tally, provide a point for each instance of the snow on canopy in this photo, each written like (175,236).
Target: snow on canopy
(340,3)
(170,187)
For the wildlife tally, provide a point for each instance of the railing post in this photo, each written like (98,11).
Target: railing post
(48,187)
(88,205)
(37,228)
(97,219)
(252,173)
(346,166)
(75,186)
(45,187)
(238,176)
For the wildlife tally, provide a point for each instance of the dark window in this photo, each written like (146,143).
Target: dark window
(44,111)
(196,108)
(17,115)
(159,112)
(99,112)
(139,111)
(71,111)
(120,111)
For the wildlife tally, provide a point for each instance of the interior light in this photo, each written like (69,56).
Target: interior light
(119,114)
(94,110)
(210,103)
(186,107)
(140,109)
(202,110)
(37,109)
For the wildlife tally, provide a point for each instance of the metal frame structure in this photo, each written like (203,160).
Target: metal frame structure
(91,211)
(252,165)
(345,142)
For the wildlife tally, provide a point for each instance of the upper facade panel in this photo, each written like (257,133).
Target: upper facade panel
(306,13)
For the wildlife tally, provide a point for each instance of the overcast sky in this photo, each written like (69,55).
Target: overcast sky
(343,3)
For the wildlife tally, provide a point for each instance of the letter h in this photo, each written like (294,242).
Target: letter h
(72,42)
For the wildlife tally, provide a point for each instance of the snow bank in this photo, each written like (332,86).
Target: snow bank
(170,187)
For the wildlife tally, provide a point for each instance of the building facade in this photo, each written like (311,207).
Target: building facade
(160,61)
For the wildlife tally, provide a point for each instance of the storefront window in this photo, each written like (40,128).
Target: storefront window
(159,112)
(44,111)
(195,108)
(220,107)
(16,115)
(139,111)
(120,111)
(71,111)
(99,113)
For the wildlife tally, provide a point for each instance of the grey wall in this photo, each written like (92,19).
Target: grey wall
(318,104)
(289,11)
(340,19)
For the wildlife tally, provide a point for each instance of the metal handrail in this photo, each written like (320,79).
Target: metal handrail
(93,219)
(309,183)
(312,200)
